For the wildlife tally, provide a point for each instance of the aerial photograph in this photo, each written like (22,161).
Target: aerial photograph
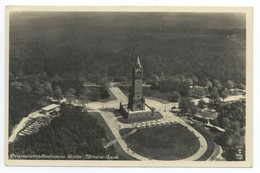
(127,86)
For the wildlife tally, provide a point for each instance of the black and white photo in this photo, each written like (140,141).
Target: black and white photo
(135,86)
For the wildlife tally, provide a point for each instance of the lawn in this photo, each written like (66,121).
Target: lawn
(172,142)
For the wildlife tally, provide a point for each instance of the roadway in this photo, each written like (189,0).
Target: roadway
(164,109)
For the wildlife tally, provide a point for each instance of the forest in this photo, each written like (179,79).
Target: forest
(232,118)
(73,132)
(97,46)
(30,93)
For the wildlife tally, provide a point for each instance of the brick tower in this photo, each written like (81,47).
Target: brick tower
(136,99)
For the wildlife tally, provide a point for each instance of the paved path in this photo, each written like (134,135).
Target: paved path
(164,109)
(118,94)
(113,104)
(123,137)
(109,119)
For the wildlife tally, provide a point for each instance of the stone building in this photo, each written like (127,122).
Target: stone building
(136,99)
(136,106)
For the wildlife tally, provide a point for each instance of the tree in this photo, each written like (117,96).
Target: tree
(47,89)
(194,109)
(83,99)
(26,87)
(241,86)
(184,105)
(183,88)
(194,79)
(189,80)
(204,82)
(56,78)
(82,78)
(38,89)
(225,123)
(202,104)
(43,76)
(83,96)
(187,106)
(224,93)
(155,78)
(94,95)
(230,84)
(70,94)
(104,94)
(209,84)
(214,93)
(103,80)
(229,141)
(154,81)
(121,79)
(174,96)
(217,84)
(197,92)
(57,94)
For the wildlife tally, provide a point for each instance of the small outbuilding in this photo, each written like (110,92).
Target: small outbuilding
(50,108)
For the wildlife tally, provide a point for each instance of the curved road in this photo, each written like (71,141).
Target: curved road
(164,109)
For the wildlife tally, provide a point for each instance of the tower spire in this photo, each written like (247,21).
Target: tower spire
(137,62)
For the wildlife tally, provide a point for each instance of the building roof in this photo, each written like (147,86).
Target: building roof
(137,62)
(50,107)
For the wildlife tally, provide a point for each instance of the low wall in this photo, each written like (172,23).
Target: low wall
(127,115)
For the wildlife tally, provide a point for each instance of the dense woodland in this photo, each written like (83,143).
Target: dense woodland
(73,132)
(105,45)
(232,117)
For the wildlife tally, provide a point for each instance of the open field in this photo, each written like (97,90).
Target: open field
(171,142)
